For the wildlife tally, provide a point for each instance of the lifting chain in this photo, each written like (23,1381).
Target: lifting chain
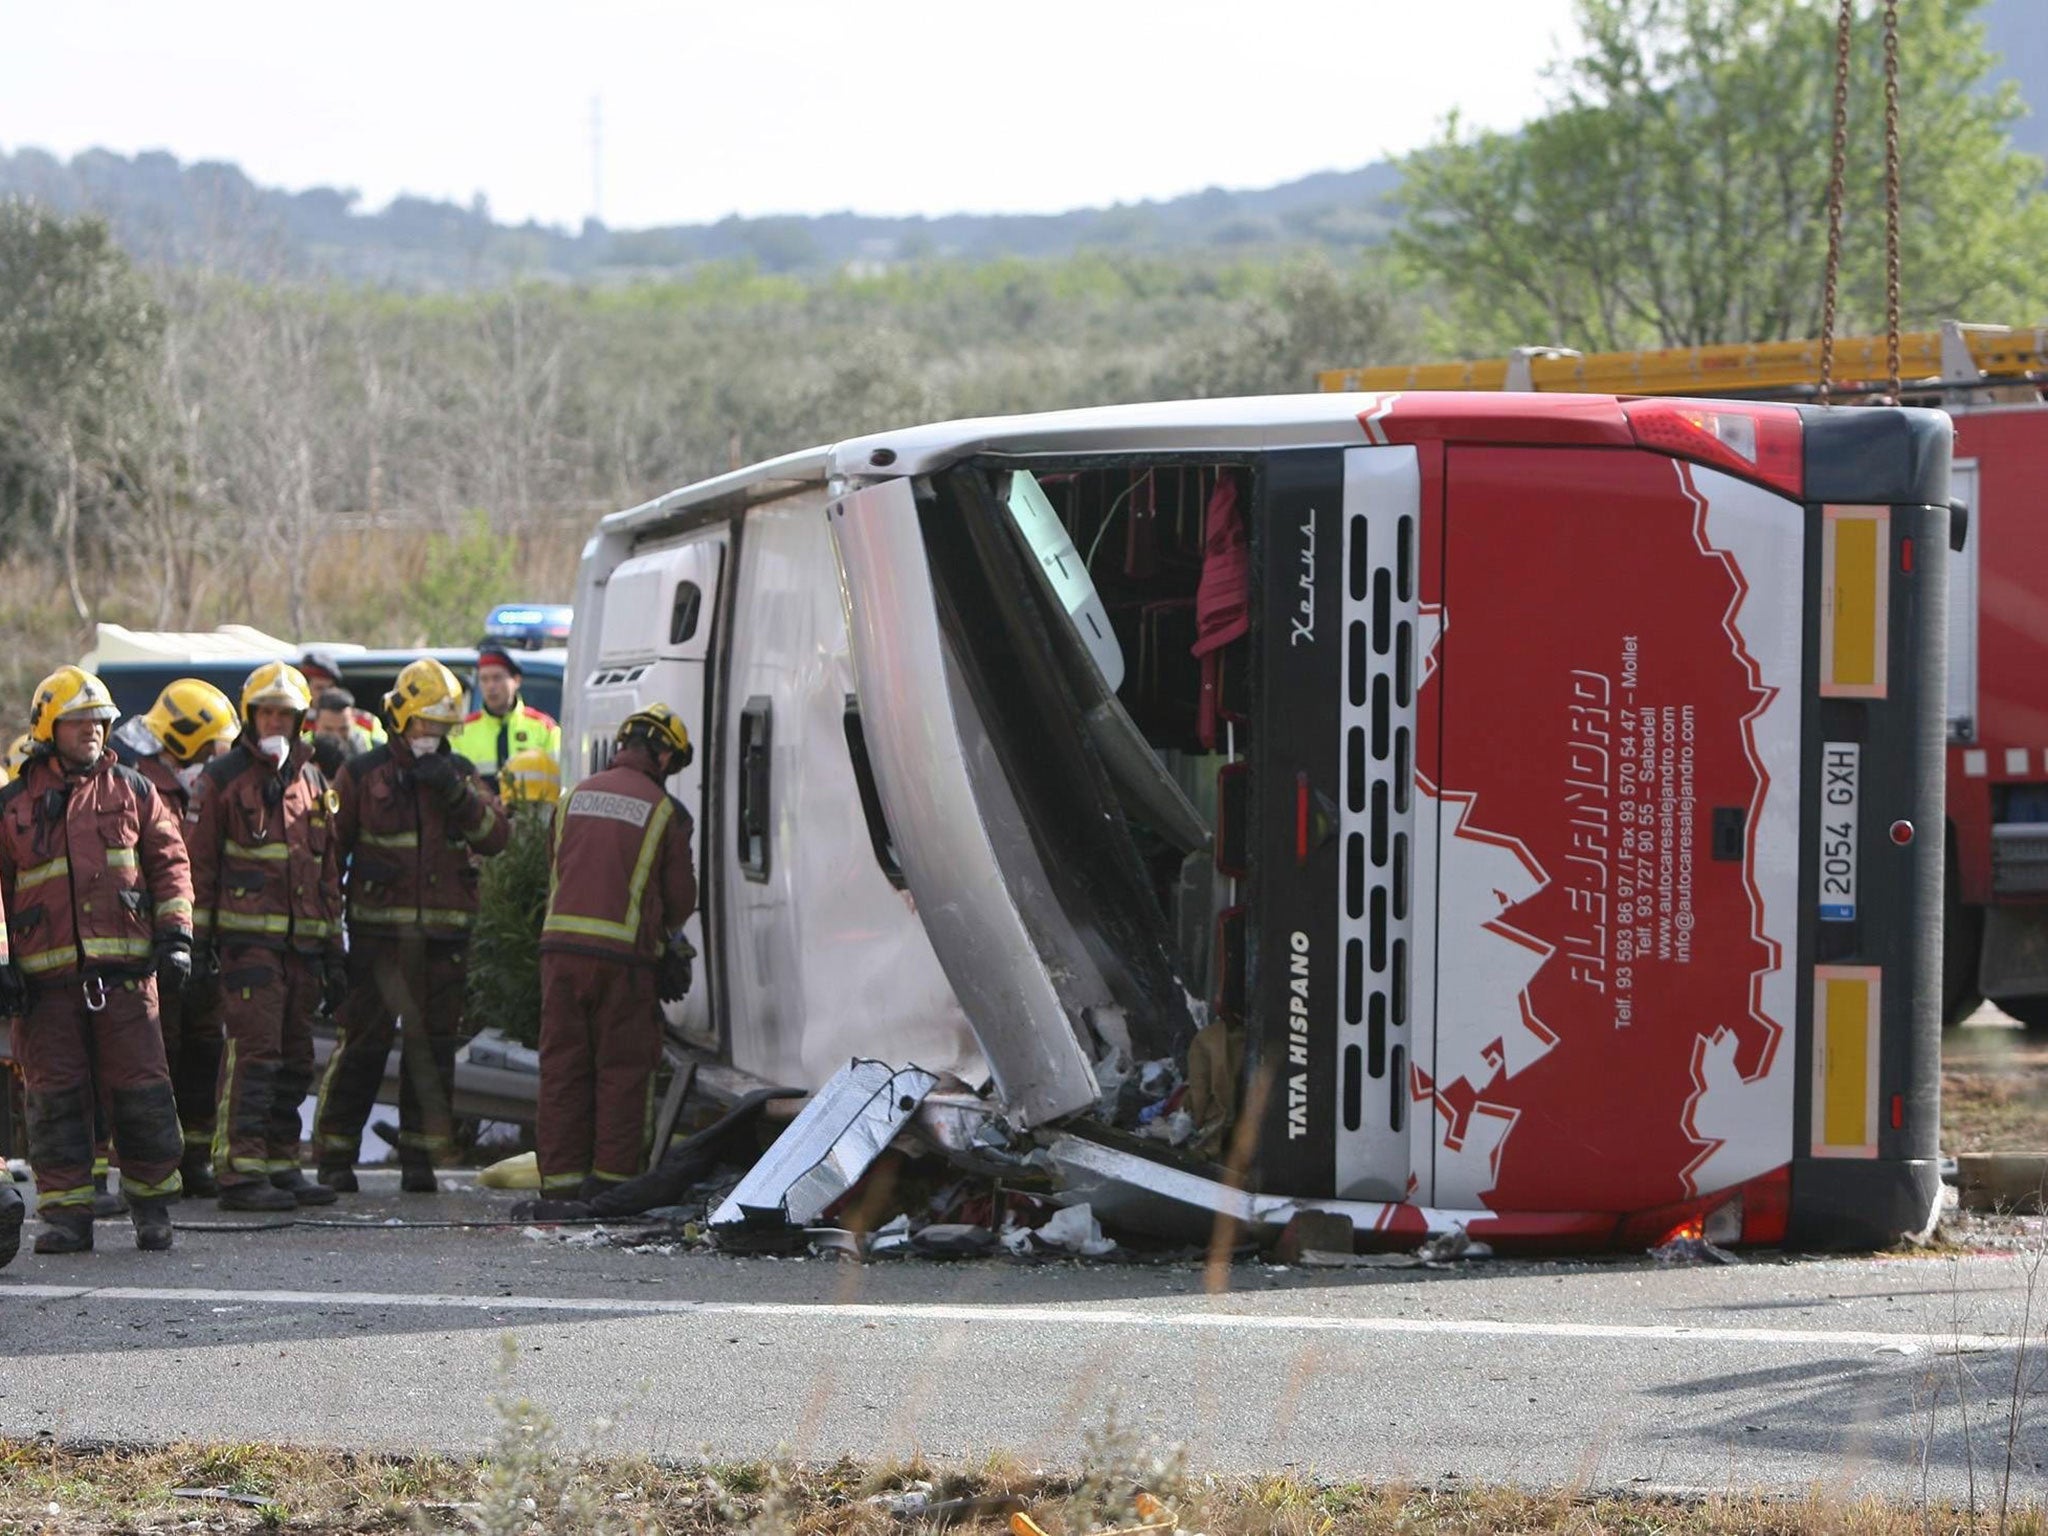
(1891,200)
(1837,173)
(1837,177)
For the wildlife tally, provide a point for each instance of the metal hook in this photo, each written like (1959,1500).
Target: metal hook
(95,988)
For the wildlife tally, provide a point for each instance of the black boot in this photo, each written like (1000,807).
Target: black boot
(105,1202)
(302,1189)
(339,1177)
(417,1178)
(12,1209)
(197,1172)
(67,1229)
(152,1220)
(257,1195)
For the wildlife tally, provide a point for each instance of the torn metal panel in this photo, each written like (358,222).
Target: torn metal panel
(831,1143)
(1158,1198)
(926,776)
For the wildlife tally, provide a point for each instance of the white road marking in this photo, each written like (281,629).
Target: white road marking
(1036,1317)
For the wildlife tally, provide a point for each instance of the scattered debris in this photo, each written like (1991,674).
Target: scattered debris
(893,1236)
(1692,1248)
(846,1125)
(1072,1229)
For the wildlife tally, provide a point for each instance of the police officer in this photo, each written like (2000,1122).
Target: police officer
(190,724)
(611,951)
(268,892)
(322,672)
(506,725)
(98,892)
(414,820)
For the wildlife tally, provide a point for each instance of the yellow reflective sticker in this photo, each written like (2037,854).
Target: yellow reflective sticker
(1855,615)
(1845,1060)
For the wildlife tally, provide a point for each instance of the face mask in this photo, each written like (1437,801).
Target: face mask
(188,776)
(276,748)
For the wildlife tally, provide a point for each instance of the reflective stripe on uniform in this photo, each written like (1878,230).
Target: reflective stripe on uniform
(268,852)
(42,961)
(628,931)
(389,839)
(253,922)
(138,1189)
(123,858)
(175,906)
(51,1199)
(114,949)
(409,917)
(36,874)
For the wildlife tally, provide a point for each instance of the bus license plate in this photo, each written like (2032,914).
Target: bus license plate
(1839,772)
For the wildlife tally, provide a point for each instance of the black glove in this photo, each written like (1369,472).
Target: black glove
(202,988)
(333,984)
(173,966)
(13,992)
(438,774)
(677,970)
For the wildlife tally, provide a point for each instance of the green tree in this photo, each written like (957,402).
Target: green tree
(1676,193)
(81,341)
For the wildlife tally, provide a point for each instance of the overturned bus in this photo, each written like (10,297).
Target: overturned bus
(1491,811)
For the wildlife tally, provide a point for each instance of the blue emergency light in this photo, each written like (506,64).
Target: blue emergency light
(529,624)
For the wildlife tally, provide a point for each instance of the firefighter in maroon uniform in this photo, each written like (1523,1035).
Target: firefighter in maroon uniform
(191,723)
(414,819)
(98,893)
(267,888)
(13,1002)
(611,951)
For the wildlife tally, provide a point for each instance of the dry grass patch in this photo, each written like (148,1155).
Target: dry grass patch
(130,1489)
(1994,1092)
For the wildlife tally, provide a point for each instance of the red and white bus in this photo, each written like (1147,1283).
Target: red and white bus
(1519,812)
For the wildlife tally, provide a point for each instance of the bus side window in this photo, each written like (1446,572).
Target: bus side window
(682,618)
(754,761)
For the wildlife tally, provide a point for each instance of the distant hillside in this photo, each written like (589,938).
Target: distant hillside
(214,214)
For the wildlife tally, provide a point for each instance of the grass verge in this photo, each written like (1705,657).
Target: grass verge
(50,1488)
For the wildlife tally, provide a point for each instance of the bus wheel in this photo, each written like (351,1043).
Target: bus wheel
(2030,1011)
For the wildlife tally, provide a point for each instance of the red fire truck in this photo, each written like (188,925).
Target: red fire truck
(1990,379)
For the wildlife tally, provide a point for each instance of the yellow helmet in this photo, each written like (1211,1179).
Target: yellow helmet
(18,751)
(279,683)
(69,693)
(426,690)
(190,715)
(660,726)
(531,777)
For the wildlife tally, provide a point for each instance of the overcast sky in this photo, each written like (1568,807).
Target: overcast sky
(774,106)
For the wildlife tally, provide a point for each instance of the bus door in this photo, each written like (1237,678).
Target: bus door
(1615,685)
(656,647)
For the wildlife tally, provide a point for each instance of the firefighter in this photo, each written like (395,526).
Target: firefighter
(530,778)
(267,889)
(190,724)
(322,673)
(611,951)
(17,757)
(414,820)
(98,892)
(505,725)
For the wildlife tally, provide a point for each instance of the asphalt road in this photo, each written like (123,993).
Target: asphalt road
(1772,1374)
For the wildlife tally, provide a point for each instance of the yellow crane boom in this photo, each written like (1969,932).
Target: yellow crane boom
(1954,354)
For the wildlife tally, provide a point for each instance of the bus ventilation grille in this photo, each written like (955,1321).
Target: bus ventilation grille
(1376,823)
